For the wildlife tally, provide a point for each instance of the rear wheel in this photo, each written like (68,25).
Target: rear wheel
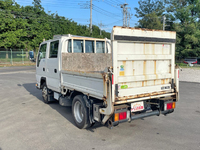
(80,112)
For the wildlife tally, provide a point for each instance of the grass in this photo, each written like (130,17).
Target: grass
(2,60)
(183,65)
(6,62)
(29,63)
(9,65)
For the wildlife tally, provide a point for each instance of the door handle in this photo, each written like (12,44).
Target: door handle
(43,69)
(55,70)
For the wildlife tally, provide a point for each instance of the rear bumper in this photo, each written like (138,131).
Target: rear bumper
(144,115)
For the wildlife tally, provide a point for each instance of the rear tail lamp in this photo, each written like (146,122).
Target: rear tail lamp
(120,116)
(194,62)
(169,106)
(185,62)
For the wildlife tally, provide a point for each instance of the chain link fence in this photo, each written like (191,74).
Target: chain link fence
(16,56)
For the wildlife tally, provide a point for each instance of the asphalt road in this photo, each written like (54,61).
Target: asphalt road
(26,123)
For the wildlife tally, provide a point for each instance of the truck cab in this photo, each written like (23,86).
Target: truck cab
(48,65)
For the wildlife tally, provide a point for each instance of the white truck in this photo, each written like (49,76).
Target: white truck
(131,76)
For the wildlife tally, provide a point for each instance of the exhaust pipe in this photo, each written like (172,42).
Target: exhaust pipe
(110,123)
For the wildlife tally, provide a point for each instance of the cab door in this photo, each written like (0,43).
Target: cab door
(53,71)
(41,62)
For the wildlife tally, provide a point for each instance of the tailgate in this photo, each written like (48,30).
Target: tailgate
(143,62)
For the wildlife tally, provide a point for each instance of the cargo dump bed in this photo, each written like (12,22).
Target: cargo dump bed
(143,64)
(86,72)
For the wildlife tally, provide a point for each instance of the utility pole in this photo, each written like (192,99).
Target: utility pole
(123,6)
(129,18)
(100,25)
(164,19)
(86,6)
(126,15)
(91,16)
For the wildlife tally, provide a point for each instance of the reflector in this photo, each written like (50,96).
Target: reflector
(117,117)
(174,105)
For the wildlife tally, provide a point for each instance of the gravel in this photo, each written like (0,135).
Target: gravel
(189,75)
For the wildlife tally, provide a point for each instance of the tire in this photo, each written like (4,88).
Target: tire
(80,112)
(45,93)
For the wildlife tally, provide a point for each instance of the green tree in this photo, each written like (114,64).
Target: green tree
(26,26)
(11,27)
(150,12)
(186,14)
(37,5)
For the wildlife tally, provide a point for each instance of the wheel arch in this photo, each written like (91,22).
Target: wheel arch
(42,81)
(75,93)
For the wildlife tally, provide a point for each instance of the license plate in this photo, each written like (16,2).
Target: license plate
(137,106)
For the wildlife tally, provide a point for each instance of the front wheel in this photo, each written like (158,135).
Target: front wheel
(45,94)
(80,112)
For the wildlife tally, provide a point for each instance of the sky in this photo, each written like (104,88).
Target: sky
(107,12)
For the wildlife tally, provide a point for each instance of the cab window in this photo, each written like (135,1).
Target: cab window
(54,49)
(41,53)
(78,46)
(89,46)
(100,47)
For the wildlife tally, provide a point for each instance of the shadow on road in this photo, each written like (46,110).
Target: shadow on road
(64,111)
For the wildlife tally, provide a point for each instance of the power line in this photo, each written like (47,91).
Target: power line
(103,13)
(113,22)
(106,11)
(114,2)
(119,1)
(78,4)
(73,4)
(106,2)
(30,16)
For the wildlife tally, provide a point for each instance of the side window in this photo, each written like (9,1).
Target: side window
(78,46)
(69,49)
(53,49)
(89,46)
(41,53)
(100,47)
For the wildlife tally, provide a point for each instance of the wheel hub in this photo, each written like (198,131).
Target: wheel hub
(44,93)
(78,112)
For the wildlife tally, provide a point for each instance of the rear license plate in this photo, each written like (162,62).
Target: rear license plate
(137,106)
